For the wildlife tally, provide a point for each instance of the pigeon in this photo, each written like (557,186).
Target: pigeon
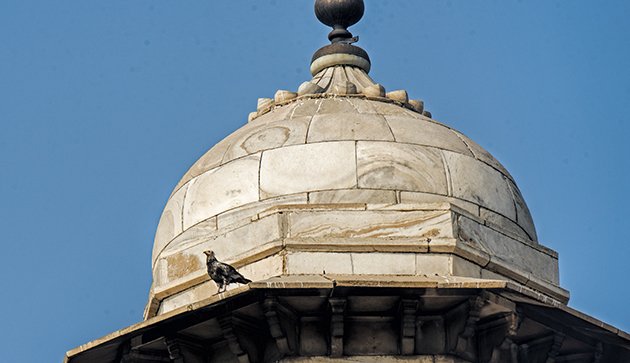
(222,273)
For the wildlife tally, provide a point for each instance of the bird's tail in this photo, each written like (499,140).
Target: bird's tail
(245,280)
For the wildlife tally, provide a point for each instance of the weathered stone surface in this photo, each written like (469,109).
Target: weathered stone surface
(431,264)
(308,88)
(370,336)
(417,105)
(182,264)
(385,109)
(465,268)
(247,213)
(374,91)
(370,224)
(483,155)
(386,165)
(197,293)
(362,106)
(523,216)
(278,113)
(503,224)
(429,133)
(368,196)
(264,136)
(211,159)
(303,168)
(237,247)
(478,183)
(194,235)
(398,95)
(349,126)
(264,103)
(384,263)
(222,188)
(263,269)
(418,197)
(514,253)
(242,241)
(318,263)
(284,95)
(171,221)
(306,107)
(334,106)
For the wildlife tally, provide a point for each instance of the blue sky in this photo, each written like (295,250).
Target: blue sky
(105,104)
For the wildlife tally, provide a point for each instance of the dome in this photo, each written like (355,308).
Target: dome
(343,150)
(343,178)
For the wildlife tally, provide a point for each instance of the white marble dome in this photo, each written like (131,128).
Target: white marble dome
(337,176)
(343,150)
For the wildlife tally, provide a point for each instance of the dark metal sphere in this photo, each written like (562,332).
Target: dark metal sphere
(339,13)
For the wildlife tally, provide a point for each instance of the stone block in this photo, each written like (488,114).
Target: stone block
(257,137)
(349,126)
(194,235)
(277,113)
(182,264)
(523,216)
(235,247)
(517,254)
(499,222)
(246,239)
(371,225)
(431,264)
(197,293)
(465,268)
(398,95)
(305,107)
(225,187)
(386,165)
(428,133)
(361,105)
(483,155)
(491,275)
(312,167)
(318,263)
(418,197)
(263,269)
(210,160)
(384,263)
(367,196)
(170,222)
(477,182)
(389,109)
(245,214)
(335,106)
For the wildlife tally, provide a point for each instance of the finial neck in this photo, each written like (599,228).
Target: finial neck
(340,15)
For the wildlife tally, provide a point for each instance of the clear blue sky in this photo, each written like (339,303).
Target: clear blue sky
(105,104)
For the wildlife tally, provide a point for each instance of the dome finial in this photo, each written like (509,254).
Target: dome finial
(339,14)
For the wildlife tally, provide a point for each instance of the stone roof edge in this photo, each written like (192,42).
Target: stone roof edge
(332,281)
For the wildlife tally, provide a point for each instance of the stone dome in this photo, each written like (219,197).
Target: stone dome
(343,150)
(343,178)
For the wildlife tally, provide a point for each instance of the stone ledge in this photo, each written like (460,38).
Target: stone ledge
(357,229)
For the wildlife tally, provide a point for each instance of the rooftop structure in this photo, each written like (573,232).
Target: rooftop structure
(369,230)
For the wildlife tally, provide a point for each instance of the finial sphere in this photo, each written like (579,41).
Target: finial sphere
(339,13)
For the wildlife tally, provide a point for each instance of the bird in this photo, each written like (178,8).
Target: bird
(222,273)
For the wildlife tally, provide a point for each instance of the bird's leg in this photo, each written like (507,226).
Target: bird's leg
(224,284)
(220,286)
